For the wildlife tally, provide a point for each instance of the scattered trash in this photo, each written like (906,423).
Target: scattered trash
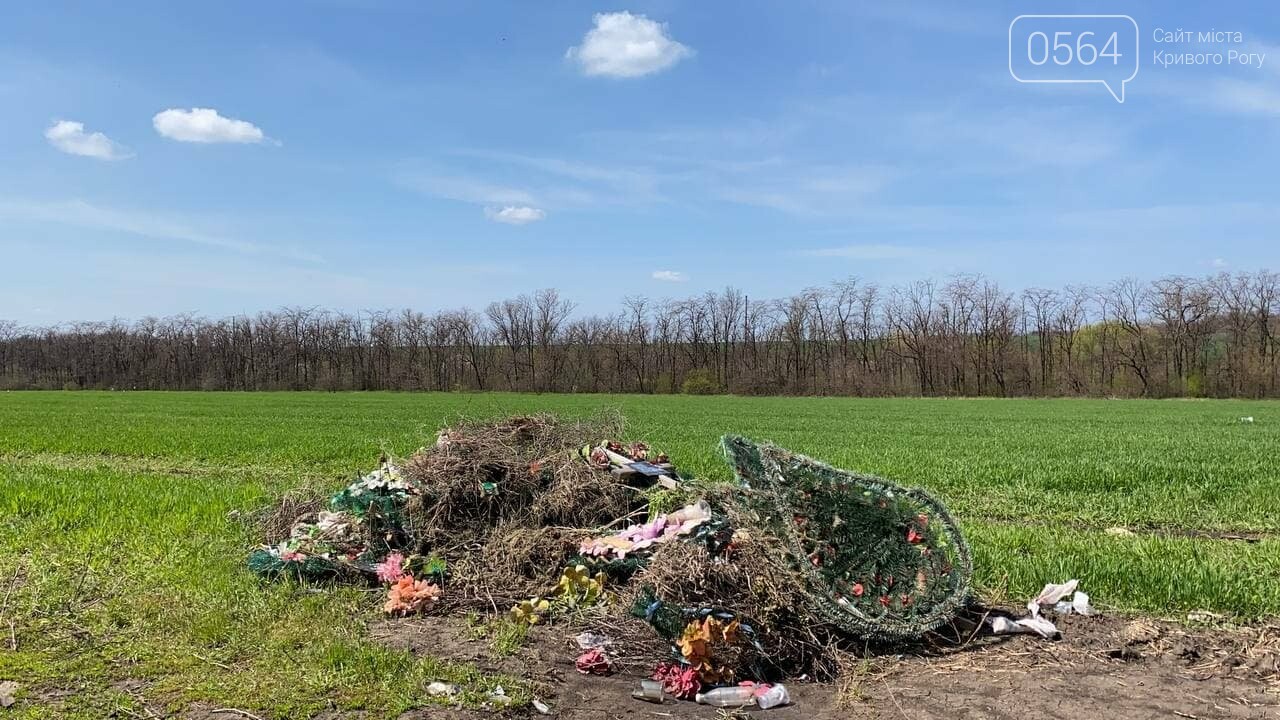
(803,551)
(591,641)
(1050,597)
(499,696)
(650,691)
(1205,616)
(593,662)
(1033,625)
(775,696)
(633,462)
(730,696)
(1120,532)
(680,523)
(8,689)
(1247,419)
(1079,605)
(438,689)
(541,707)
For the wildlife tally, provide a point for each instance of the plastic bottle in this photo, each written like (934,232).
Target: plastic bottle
(727,697)
(773,697)
(650,691)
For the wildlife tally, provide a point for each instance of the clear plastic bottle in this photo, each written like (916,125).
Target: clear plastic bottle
(727,697)
(650,691)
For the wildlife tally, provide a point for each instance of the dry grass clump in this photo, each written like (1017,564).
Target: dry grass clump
(752,585)
(522,470)
(505,503)
(300,505)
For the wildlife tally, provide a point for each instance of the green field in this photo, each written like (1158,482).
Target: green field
(122,535)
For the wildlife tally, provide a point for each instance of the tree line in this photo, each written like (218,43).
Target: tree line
(1177,336)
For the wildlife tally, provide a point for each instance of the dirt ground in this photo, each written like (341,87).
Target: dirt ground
(1103,667)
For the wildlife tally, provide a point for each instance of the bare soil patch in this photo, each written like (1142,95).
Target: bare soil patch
(1127,669)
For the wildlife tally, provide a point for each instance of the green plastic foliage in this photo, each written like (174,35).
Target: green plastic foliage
(879,561)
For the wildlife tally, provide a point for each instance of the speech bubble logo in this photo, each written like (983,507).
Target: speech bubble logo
(1099,49)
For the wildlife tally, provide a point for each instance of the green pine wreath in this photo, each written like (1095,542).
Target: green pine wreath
(877,560)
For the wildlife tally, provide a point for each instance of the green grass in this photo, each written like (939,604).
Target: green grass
(121,555)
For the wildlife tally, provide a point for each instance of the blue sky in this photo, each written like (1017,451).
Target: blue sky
(230,157)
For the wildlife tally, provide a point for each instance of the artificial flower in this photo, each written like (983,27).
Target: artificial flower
(391,568)
(593,662)
(529,611)
(678,680)
(407,596)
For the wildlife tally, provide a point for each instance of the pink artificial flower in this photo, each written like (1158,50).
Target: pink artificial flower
(593,662)
(391,568)
(678,680)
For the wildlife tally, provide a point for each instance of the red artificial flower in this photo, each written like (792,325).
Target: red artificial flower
(816,559)
(593,662)
(884,600)
(678,680)
(857,590)
(913,536)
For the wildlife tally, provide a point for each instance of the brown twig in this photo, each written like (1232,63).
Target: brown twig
(237,711)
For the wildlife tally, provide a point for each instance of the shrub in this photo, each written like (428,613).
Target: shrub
(700,381)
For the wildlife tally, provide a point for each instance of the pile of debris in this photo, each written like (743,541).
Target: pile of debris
(721,586)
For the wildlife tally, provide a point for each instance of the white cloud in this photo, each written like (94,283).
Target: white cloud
(1219,263)
(870,251)
(515,215)
(205,125)
(669,276)
(69,137)
(626,45)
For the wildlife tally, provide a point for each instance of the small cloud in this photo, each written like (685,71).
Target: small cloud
(626,45)
(669,276)
(513,215)
(866,252)
(1219,263)
(205,125)
(69,137)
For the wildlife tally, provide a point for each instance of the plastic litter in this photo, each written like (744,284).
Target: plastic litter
(727,697)
(541,707)
(773,697)
(439,688)
(499,696)
(1031,626)
(651,691)
(1079,605)
(1052,596)
(591,641)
